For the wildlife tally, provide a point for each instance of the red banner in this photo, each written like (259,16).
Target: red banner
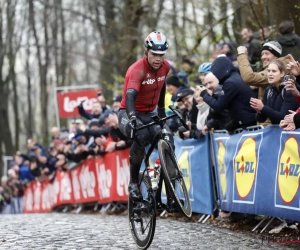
(69,101)
(84,182)
(101,180)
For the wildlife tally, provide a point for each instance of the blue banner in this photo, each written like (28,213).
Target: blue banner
(194,162)
(258,172)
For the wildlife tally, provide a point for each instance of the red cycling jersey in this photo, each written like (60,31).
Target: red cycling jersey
(147,82)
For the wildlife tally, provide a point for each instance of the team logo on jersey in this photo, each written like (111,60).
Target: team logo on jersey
(148,75)
(149,81)
(162,78)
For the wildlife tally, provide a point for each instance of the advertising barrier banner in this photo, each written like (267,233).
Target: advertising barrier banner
(194,163)
(258,172)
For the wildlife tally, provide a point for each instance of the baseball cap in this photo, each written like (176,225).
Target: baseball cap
(182,92)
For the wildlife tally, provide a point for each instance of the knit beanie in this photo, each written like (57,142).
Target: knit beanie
(173,80)
(273,47)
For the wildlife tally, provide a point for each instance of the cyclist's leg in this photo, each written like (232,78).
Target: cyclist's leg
(137,152)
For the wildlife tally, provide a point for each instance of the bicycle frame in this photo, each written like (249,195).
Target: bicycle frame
(161,135)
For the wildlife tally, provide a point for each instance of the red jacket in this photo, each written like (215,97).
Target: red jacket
(147,82)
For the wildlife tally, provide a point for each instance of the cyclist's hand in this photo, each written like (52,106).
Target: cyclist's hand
(132,122)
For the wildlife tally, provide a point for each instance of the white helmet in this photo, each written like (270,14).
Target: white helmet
(156,42)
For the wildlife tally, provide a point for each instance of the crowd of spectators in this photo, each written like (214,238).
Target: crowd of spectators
(257,83)
(236,88)
(93,136)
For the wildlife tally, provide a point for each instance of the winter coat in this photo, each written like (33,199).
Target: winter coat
(218,120)
(87,115)
(290,44)
(236,95)
(277,104)
(256,79)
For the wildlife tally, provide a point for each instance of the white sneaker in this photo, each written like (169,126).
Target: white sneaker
(278,229)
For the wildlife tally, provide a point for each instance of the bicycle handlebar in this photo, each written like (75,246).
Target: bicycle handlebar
(160,121)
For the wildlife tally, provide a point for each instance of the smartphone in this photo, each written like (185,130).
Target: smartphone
(285,79)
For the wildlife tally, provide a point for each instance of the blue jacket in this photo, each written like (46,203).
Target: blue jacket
(24,173)
(277,104)
(236,95)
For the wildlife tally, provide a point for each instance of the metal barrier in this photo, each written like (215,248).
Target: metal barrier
(14,207)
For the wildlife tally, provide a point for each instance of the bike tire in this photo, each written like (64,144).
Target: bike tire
(172,172)
(142,239)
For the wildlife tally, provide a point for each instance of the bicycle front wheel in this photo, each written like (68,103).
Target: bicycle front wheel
(142,216)
(173,178)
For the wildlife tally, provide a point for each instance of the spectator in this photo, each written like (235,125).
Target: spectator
(265,35)
(77,124)
(173,84)
(96,110)
(55,132)
(276,101)
(109,138)
(229,49)
(253,46)
(236,95)
(203,70)
(203,111)
(289,41)
(38,150)
(116,103)
(185,95)
(102,101)
(270,51)
(215,120)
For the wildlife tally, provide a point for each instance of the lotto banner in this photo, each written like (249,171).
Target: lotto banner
(258,172)
(113,176)
(194,162)
(84,182)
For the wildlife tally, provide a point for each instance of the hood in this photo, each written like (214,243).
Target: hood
(289,40)
(222,68)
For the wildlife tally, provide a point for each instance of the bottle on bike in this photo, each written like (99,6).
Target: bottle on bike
(143,96)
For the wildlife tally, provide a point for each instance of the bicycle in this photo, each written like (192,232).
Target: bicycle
(142,214)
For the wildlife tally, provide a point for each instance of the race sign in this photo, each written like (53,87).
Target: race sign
(69,101)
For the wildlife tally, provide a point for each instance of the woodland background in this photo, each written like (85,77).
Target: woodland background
(48,43)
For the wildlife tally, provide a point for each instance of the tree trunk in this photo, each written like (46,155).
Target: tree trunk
(43,67)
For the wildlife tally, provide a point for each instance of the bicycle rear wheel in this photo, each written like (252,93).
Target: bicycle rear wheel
(142,216)
(173,178)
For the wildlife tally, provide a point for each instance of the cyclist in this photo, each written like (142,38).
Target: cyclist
(144,96)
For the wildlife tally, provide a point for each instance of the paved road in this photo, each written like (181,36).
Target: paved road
(76,231)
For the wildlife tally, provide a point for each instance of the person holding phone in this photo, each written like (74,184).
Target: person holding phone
(277,101)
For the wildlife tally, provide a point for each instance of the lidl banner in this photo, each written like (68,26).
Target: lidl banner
(258,172)
(194,162)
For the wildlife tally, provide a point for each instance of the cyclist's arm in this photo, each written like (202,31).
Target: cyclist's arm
(131,95)
(161,100)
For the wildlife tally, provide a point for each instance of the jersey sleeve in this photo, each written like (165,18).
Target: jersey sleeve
(135,78)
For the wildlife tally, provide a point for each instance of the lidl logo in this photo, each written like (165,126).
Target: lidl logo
(289,171)
(245,167)
(184,163)
(222,168)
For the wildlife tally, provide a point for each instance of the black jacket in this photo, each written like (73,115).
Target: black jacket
(115,134)
(290,44)
(218,120)
(277,104)
(236,95)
